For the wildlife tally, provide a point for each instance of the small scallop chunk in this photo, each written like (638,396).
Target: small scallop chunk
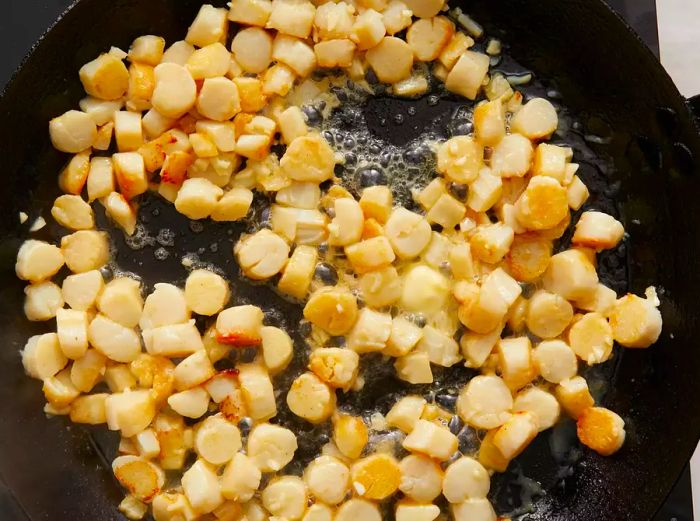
(577,193)
(128,130)
(72,132)
(206,292)
(421,478)
(318,512)
(473,509)
(120,211)
(298,273)
(200,484)
(370,332)
(250,12)
(485,191)
(194,370)
(447,212)
(70,211)
(217,440)
(425,8)
(403,338)
(85,250)
(197,198)
(356,509)
(233,206)
(476,348)
(414,368)
(311,399)
(571,275)
(381,288)
(413,512)
(240,326)
(332,309)
(42,356)
(285,497)
(262,255)
(258,392)
(218,99)
(335,53)
(175,92)
(376,477)
(460,159)
(177,340)
(441,348)
(464,479)
(485,402)
(333,20)
(539,402)
(368,29)
(115,341)
(591,338)
(277,349)
(396,17)
(391,60)
(636,322)
(210,26)
(377,202)
(309,158)
(347,225)
(292,17)
(252,49)
(130,173)
(121,301)
(105,78)
(80,291)
(601,430)
(73,177)
(543,204)
(328,479)
(241,478)
(432,440)
(142,478)
(89,409)
(271,447)
(72,330)
(555,361)
(192,403)
(350,435)
(406,413)
(428,37)
(408,233)
(490,243)
(515,361)
(513,437)
(467,76)
(574,396)
(490,122)
(165,306)
(536,120)
(335,366)
(147,49)
(598,230)
(38,260)
(529,257)
(42,301)
(371,254)
(512,156)
(548,314)
(130,411)
(88,370)
(292,125)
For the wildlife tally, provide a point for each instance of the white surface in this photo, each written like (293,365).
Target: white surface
(679,35)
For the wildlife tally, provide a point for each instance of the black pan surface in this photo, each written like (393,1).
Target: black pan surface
(623,107)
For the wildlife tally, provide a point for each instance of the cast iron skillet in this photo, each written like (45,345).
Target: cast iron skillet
(629,110)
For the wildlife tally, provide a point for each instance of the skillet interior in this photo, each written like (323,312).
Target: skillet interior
(612,84)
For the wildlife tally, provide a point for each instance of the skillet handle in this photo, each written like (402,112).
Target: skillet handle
(694,104)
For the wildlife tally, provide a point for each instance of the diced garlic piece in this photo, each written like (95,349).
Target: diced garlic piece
(177,341)
(240,479)
(38,260)
(425,8)
(42,357)
(328,479)
(574,396)
(210,26)
(577,193)
(414,368)
(350,435)
(515,361)
(432,440)
(121,212)
(271,447)
(252,49)
(541,404)
(335,366)
(477,348)
(598,230)
(428,37)
(130,412)
(371,254)
(335,53)
(72,330)
(467,76)
(115,341)
(536,120)
(370,332)
(200,484)
(311,399)
(485,191)
(571,275)
(175,92)
(72,132)
(376,477)
(88,370)
(464,479)
(512,156)
(42,301)
(167,305)
(425,290)
(121,301)
(309,158)
(548,314)
(601,430)
(485,402)
(441,348)
(405,413)
(294,53)
(258,393)
(89,409)
(636,322)
(391,59)
(591,338)
(555,361)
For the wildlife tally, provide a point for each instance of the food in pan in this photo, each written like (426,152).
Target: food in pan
(465,273)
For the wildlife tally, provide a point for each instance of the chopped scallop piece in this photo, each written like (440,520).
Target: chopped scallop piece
(165,306)
(571,275)
(252,49)
(258,392)
(355,509)
(396,17)
(175,92)
(425,8)
(262,255)
(591,338)
(292,17)
(311,399)
(543,204)
(536,120)
(476,348)
(381,288)
(414,512)
(465,478)
(121,301)
(428,37)
(541,404)
(177,340)
(376,477)
(574,396)
(72,212)
(285,497)
(42,356)
(192,403)
(309,158)
(516,434)
(130,411)
(635,321)
(601,430)
(441,348)
(335,366)
(346,227)
(598,230)
(485,402)
(194,370)
(515,361)
(529,257)
(271,447)
(206,292)
(432,440)
(72,132)
(512,156)
(350,435)
(105,78)
(371,254)
(548,314)
(404,337)
(328,479)
(200,484)
(241,478)
(332,309)
(468,74)
(490,123)
(115,341)
(80,291)
(217,440)
(72,329)
(414,368)
(421,478)
(490,243)
(485,191)
(391,59)
(42,301)
(425,290)
(368,30)
(38,260)
(250,12)
(295,54)
(460,159)
(370,332)
(210,26)
(555,361)
(406,413)
(577,193)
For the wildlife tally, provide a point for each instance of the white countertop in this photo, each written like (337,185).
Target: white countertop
(679,36)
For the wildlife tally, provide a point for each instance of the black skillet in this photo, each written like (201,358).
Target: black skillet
(624,107)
